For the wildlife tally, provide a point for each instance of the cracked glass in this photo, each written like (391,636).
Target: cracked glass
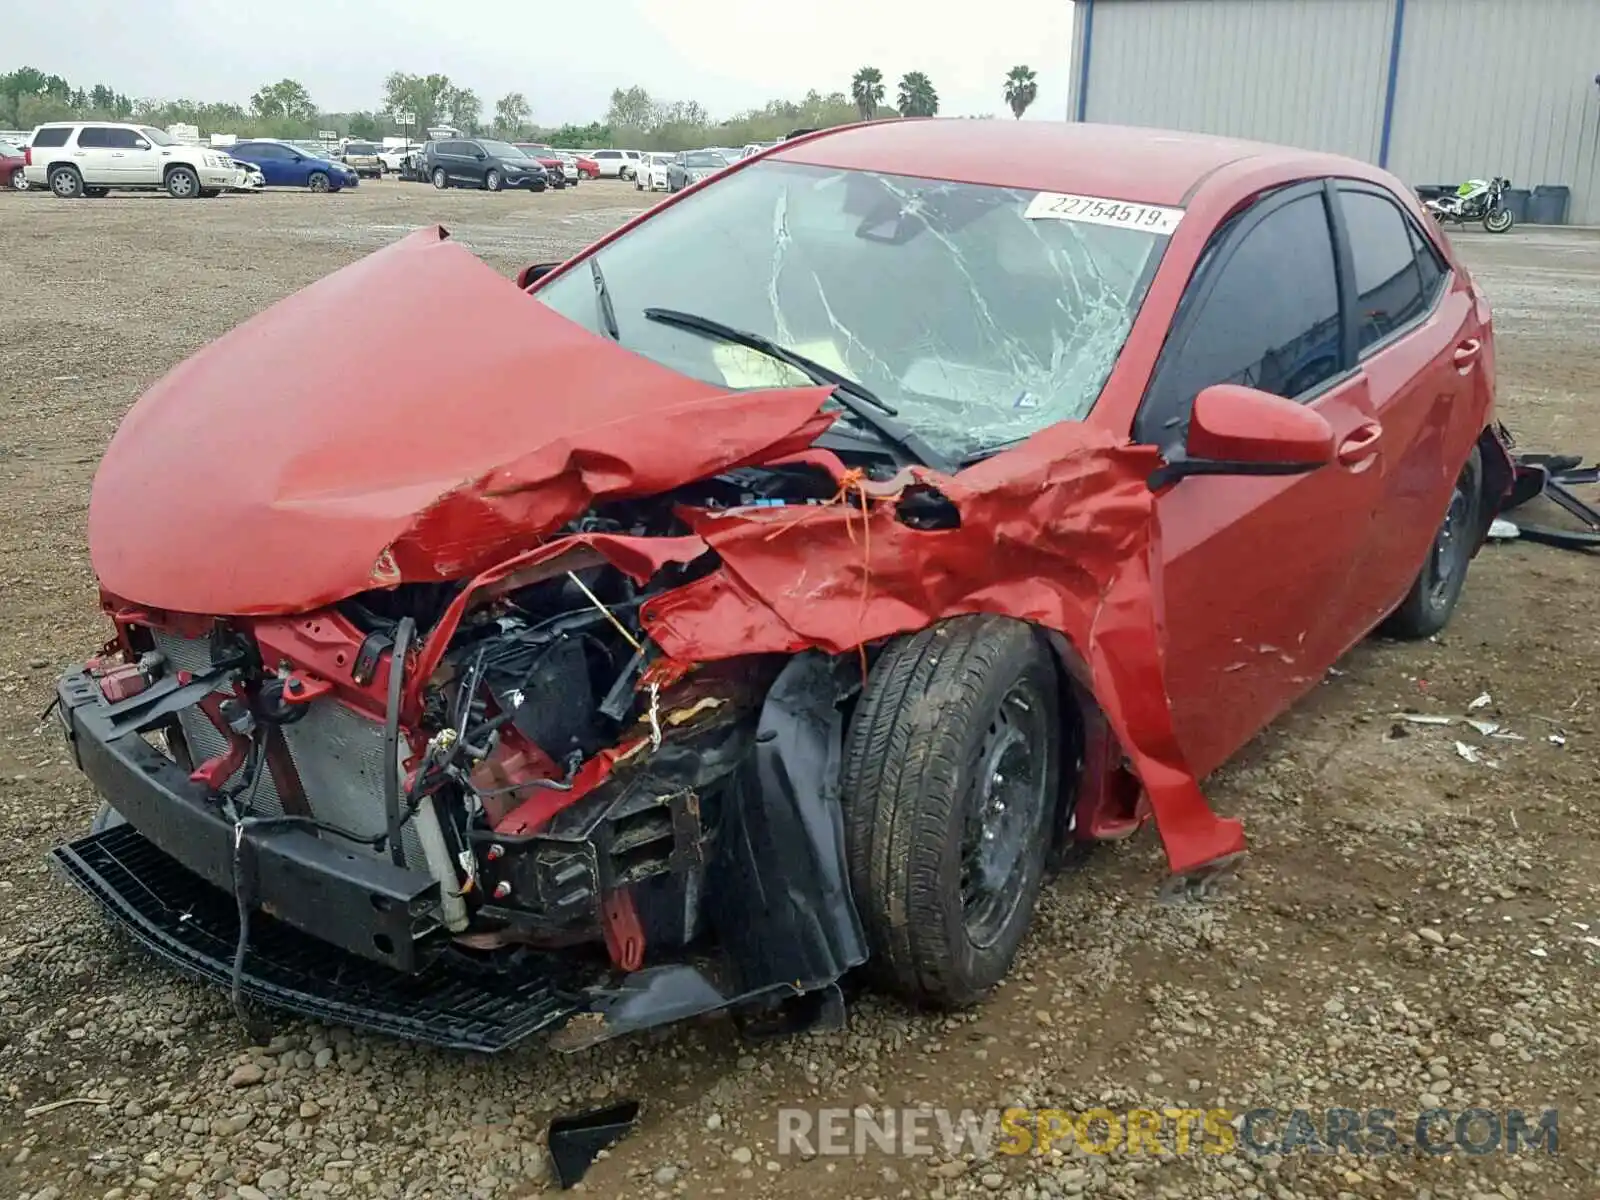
(980,325)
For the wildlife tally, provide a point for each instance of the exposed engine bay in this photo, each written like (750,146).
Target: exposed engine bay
(563,784)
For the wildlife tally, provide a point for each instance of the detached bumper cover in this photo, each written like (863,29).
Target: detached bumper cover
(777,894)
(193,926)
(361,904)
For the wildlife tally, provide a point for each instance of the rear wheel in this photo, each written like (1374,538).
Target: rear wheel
(952,769)
(66,182)
(1433,596)
(627,173)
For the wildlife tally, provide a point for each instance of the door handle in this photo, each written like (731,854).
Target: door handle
(1466,353)
(118,154)
(1358,448)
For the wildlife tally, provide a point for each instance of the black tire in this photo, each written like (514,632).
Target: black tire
(66,183)
(626,173)
(182,183)
(94,193)
(319,182)
(18,180)
(943,712)
(1433,596)
(106,818)
(1499,220)
(491,181)
(440,179)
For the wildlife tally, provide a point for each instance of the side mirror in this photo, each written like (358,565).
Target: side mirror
(532,274)
(299,158)
(140,144)
(1236,430)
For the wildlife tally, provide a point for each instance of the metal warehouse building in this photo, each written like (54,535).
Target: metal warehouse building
(1437,91)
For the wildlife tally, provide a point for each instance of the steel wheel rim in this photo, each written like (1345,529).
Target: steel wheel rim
(1004,815)
(1444,563)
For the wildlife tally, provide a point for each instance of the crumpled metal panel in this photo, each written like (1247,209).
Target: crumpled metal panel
(436,474)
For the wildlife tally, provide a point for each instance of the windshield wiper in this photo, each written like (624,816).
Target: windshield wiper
(602,295)
(862,403)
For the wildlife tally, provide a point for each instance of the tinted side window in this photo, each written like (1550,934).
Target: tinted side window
(1389,287)
(94,137)
(1271,321)
(52,137)
(607,154)
(1429,265)
(123,139)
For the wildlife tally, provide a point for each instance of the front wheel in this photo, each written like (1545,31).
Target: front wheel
(1433,595)
(318,181)
(182,183)
(952,771)
(440,179)
(492,181)
(18,180)
(1498,220)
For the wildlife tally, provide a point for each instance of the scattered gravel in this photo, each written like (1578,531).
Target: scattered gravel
(1375,951)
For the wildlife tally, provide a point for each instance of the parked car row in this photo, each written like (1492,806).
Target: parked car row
(90,158)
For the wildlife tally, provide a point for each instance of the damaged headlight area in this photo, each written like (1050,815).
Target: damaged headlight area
(494,806)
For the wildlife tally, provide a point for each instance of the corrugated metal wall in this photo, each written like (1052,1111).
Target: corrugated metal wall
(1500,87)
(1306,72)
(1482,86)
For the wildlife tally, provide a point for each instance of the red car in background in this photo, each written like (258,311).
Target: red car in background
(802,572)
(12,160)
(560,172)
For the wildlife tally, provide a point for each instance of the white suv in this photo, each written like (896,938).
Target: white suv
(90,158)
(618,164)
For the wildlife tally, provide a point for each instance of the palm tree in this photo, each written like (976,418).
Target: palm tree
(917,97)
(1022,89)
(866,89)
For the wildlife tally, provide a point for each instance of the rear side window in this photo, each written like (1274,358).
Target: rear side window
(1429,265)
(1267,318)
(1390,289)
(52,137)
(607,154)
(94,137)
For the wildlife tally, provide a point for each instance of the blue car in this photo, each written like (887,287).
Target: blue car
(285,165)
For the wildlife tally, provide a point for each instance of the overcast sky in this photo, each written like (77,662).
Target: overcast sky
(564,55)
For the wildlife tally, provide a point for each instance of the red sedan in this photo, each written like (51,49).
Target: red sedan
(799,574)
(12,160)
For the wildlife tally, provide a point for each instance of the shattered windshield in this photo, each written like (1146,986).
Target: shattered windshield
(980,324)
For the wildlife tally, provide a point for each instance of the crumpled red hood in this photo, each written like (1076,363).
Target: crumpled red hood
(413,417)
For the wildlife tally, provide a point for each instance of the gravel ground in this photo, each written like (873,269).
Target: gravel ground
(1412,928)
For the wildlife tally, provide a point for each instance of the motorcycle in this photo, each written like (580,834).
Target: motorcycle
(1475,200)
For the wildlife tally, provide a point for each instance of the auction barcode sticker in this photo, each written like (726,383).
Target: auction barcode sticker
(1096,210)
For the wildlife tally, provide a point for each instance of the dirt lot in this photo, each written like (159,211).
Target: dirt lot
(1412,929)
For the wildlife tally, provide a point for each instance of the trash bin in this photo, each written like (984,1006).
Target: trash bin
(1549,204)
(1517,199)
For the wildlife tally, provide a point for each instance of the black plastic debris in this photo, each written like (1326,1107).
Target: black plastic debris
(576,1139)
(1553,476)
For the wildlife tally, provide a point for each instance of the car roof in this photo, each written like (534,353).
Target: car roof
(1152,166)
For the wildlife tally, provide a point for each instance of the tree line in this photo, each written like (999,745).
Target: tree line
(286,109)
